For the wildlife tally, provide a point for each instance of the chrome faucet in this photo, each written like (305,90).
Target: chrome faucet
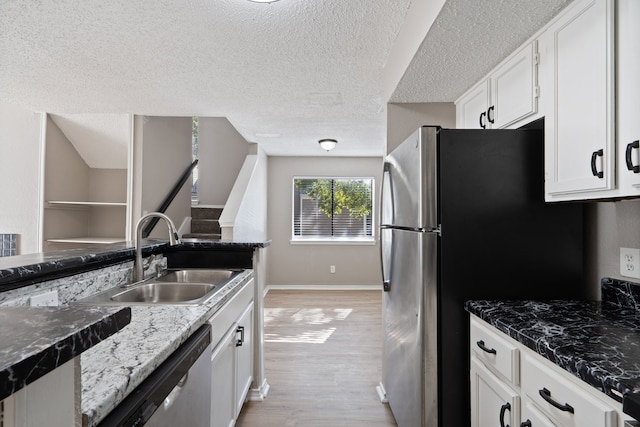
(173,240)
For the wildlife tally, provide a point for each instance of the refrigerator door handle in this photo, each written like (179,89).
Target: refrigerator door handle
(386,245)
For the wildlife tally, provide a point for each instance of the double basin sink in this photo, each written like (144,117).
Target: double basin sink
(176,286)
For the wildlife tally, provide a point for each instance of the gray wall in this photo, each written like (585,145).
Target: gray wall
(166,154)
(221,153)
(309,264)
(609,226)
(404,119)
(20,173)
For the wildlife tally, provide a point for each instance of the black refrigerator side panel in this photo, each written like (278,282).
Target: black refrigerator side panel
(499,241)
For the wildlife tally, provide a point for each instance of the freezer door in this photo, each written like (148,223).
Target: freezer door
(410,319)
(409,185)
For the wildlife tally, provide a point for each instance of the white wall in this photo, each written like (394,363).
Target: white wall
(309,264)
(166,154)
(221,153)
(249,220)
(20,196)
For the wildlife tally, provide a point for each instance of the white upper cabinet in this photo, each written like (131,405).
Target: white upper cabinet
(577,51)
(628,96)
(508,95)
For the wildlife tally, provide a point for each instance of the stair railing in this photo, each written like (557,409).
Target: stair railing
(167,201)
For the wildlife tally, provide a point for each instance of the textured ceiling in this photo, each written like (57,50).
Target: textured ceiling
(285,74)
(466,41)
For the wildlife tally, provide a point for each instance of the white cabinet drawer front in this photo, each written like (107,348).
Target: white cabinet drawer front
(495,352)
(565,402)
(532,417)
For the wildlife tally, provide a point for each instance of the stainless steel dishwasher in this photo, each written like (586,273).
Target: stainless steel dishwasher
(177,393)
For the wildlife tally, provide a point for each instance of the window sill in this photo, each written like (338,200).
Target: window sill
(339,242)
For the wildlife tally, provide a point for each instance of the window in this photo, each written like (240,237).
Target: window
(333,209)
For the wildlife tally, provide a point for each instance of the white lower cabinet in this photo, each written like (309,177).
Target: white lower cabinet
(52,400)
(532,417)
(493,403)
(561,400)
(231,358)
(545,396)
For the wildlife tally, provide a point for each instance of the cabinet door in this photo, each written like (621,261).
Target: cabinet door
(514,89)
(628,93)
(471,108)
(493,403)
(223,365)
(532,417)
(244,356)
(579,143)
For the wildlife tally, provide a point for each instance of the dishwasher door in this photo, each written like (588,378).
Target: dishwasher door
(177,393)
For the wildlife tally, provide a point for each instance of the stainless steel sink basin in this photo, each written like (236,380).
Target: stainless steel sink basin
(197,275)
(167,293)
(177,286)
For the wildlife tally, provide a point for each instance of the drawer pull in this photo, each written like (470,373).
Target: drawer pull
(504,408)
(546,395)
(484,348)
(525,423)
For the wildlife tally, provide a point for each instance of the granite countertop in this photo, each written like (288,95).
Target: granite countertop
(21,270)
(597,341)
(37,340)
(116,366)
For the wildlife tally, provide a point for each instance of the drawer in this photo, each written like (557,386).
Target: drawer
(562,400)
(532,417)
(495,351)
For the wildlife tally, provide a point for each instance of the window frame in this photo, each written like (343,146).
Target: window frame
(316,240)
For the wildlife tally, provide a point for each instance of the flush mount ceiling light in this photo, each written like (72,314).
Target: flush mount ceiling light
(328,144)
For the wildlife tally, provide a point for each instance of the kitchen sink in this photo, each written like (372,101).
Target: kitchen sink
(162,292)
(176,286)
(197,275)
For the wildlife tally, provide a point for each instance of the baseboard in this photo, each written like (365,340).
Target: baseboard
(323,288)
(382,393)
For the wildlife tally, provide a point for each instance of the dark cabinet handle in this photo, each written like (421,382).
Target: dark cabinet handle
(594,170)
(490,114)
(525,423)
(484,348)
(504,408)
(546,395)
(482,123)
(240,341)
(630,165)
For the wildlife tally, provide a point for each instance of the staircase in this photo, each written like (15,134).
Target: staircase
(204,223)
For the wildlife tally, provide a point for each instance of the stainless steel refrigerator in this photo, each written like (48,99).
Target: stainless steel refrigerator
(463,217)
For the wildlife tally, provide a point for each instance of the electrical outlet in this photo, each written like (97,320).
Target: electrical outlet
(45,299)
(630,262)
(332,268)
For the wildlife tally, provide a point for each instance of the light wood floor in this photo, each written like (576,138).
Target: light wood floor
(322,361)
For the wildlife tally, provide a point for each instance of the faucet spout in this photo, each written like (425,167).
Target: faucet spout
(174,239)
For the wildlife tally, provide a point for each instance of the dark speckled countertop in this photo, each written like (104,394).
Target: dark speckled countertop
(35,341)
(597,341)
(22,270)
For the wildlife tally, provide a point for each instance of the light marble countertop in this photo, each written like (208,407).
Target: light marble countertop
(115,367)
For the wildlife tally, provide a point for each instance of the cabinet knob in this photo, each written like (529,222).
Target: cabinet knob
(504,408)
(484,348)
(490,114)
(594,169)
(546,395)
(630,165)
(240,341)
